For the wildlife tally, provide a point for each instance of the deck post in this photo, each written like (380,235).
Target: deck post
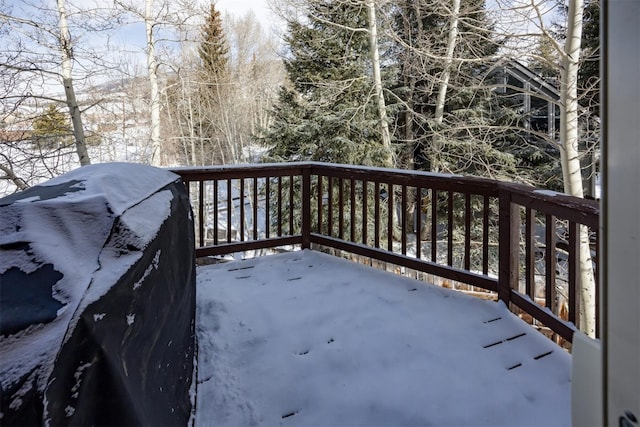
(306,207)
(508,247)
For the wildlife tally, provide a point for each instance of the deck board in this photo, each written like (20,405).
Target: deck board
(304,338)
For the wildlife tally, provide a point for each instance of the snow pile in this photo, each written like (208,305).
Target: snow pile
(308,339)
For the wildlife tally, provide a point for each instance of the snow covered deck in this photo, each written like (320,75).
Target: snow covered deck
(308,339)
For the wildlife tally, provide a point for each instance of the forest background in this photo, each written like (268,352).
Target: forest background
(408,84)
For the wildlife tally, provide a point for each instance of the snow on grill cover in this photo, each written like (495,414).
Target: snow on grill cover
(97,300)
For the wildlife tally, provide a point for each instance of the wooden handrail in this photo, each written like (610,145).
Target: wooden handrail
(378,213)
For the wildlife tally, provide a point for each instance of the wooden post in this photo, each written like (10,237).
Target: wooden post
(509,247)
(574,273)
(306,208)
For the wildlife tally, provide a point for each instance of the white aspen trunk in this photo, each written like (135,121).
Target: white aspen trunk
(227,124)
(67,80)
(190,123)
(587,287)
(569,154)
(570,159)
(452,39)
(15,179)
(152,66)
(377,82)
(192,141)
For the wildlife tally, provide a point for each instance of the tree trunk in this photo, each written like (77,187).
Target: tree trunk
(570,158)
(452,39)
(152,66)
(377,82)
(67,67)
(15,179)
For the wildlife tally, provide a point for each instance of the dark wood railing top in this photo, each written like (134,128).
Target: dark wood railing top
(584,211)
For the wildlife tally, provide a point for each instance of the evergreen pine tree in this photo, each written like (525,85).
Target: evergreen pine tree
(52,129)
(327,112)
(209,94)
(213,49)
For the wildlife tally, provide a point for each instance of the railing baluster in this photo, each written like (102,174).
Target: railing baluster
(365,217)
(306,208)
(597,280)
(418,222)
(390,209)
(530,251)
(279,206)
(255,208)
(229,210)
(485,235)
(320,203)
(574,272)
(201,212)
(340,208)
(242,217)
(550,263)
(291,205)
(467,231)
(352,210)
(215,211)
(450,228)
(403,219)
(376,198)
(330,206)
(192,203)
(434,224)
(267,205)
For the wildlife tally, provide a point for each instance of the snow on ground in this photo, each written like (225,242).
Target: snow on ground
(308,339)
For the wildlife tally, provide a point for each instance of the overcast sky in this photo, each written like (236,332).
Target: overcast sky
(241,7)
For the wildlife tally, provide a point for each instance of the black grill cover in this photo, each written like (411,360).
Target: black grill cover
(97,300)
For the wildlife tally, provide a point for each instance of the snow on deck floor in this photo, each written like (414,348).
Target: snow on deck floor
(307,339)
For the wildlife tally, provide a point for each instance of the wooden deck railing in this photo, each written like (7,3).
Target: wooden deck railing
(514,240)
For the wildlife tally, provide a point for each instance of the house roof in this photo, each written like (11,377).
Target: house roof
(525,74)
